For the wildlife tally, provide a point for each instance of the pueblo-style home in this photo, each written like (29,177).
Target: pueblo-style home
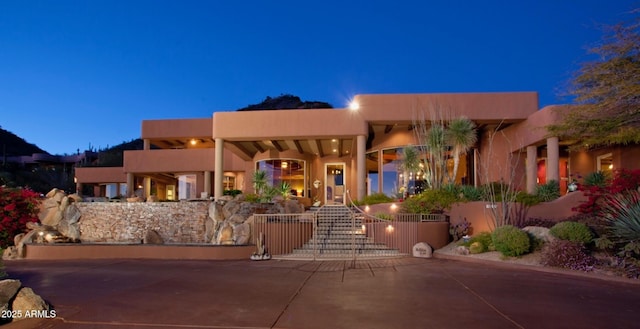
(350,152)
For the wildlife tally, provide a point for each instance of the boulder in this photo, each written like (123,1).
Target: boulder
(11,252)
(225,235)
(152,237)
(541,233)
(422,250)
(152,198)
(8,289)
(236,219)
(241,234)
(293,207)
(462,250)
(27,302)
(230,208)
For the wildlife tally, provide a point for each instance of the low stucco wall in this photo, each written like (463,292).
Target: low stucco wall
(128,222)
(479,215)
(139,251)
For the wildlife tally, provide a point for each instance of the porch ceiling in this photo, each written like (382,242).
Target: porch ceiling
(319,147)
(183,143)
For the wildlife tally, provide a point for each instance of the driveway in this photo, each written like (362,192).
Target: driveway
(399,293)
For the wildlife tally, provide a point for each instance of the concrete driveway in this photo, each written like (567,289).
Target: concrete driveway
(400,293)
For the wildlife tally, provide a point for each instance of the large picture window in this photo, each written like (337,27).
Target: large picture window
(186,187)
(285,170)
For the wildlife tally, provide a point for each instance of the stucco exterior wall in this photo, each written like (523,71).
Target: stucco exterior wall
(128,222)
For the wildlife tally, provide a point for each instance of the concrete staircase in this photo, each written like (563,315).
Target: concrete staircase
(339,234)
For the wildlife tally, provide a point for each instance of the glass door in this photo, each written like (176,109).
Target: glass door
(335,188)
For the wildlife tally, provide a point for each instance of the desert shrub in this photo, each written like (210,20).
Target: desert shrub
(470,193)
(572,231)
(483,242)
(621,213)
(548,191)
(18,206)
(477,248)
(375,198)
(597,178)
(232,193)
(623,180)
(567,254)
(252,197)
(511,241)
(433,201)
(383,215)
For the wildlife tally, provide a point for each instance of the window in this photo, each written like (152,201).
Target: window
(373,175)
(187,187)
(285,170)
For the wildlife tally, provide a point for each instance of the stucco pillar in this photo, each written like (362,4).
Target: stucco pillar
(361,169)
(553,159)
(532,172)
(146,185)
(130,185)
(218,178)
(146,144)
(207,182)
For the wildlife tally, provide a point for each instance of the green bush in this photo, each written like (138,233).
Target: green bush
(485,239)
(511,241)
(549,191)
(477,248)
(383,215)
(429,202)
(480,243)
(597,178)
(232,193)
(471,193)
(494,191)
(572,231)
(374,199)
(252,197)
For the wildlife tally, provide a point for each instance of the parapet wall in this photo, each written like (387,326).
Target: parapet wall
(128,222)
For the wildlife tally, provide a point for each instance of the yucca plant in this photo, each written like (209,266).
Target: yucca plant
(622,213)
(461,136)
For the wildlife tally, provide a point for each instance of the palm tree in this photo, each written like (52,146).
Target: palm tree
(410,162)
(260,182)
(461,136)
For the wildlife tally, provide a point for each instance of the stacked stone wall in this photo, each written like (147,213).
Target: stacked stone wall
(128,222)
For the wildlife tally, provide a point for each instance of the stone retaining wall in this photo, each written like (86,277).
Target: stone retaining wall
(128,222)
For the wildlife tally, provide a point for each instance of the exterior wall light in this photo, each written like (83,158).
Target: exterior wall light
(354,106)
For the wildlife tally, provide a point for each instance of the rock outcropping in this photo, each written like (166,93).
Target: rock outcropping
(230,219)
(59,218)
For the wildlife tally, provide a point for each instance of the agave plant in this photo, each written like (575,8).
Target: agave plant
(622,213)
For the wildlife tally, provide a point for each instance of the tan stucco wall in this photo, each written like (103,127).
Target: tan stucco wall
(283,124)
(100,175)
(178,160)
(176,128)
(485,107)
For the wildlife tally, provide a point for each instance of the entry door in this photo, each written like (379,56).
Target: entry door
(335,188)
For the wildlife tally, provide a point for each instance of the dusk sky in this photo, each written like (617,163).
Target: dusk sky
(81,73)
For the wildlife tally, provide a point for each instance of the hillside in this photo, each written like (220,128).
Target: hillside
(284,102)
(12,145)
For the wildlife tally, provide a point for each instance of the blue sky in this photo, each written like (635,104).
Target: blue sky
(81,73)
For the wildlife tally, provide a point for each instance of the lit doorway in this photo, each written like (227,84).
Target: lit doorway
(334,176)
